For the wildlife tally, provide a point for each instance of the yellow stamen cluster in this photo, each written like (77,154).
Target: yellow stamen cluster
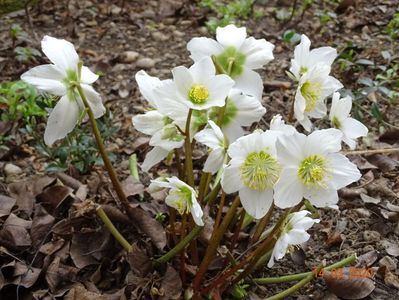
(198,94)
(311,91)
(312,170)
(259,171)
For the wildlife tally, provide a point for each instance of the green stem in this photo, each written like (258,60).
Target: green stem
(301,276)
(133,166)
(107,162)
(188,149)
(294,288)
(117,235)
(217,235)
(180,246)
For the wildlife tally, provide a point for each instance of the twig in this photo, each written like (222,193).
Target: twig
(371,151)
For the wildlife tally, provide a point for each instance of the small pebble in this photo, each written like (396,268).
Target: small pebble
(370,235)
(362,212)
(11,170)
(388,262)
(397,229)
(129,56)
(145,63)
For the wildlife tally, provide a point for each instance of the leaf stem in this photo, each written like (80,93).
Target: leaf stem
(188,149)
(117,235)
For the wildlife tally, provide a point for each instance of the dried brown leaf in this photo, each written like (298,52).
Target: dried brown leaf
(79,292)
(25,276)
(54,198)
(391,279)
(41,225)
(171,284)
(384,162)
(6,204)
(131,186)
(153,229)
(390,136)
(139,262)
(391,248)
(347,286)
(15,233)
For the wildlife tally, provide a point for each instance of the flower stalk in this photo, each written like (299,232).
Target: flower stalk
(188,149)
(117,235)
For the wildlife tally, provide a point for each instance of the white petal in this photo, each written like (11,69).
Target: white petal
(88,76)
(197,213)
(201,47)
(323,141)
(231,181)
(256,203)
(296,237)
(353,129)
(208,138)
(305,223)
(249,109)
(244,145)
(319,111)
(214,161)
(153,157)
(167,144)
(231,35)
(148,123)
(322,197)
(299,105)
(219,88)
(330,85)
(62,120)
(94,100)
(250,83)
(147,84)
(288,191)
(46,78)
(279,250)
(257,52)
(183,80)
(323,55)
(343,171)
(202,70)
(60,52)
(216,129)
(290,149)
(301,54)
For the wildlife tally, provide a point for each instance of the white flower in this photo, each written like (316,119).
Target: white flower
(314,87)
(199,87)
(253,171)
(241,110)
(165,135)
(214,139)
(339,117)
(181,196)
(237,55)
(304,59)
(277,124)
(294,233)
(60,78)
(312,168)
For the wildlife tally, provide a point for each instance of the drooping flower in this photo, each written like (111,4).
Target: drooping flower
(61,78)
(312,168)
(305,59)
(241,110)
(253,171)
(165,135)
(237,55)
(314,87)
(340,119)
(181,196)
(214,139)
(199,87)
(294,233)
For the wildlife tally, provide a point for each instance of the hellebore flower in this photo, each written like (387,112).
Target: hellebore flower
(306,59)
(61,79)
(181,196)
(253,171)
(294,233)
(339,117)
(214,139)
(237,55)
(312,168)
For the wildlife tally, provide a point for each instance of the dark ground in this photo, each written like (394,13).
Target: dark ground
(77,257)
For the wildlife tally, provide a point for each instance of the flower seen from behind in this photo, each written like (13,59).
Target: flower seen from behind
(181,196)
(60,78)
(340,119)
(294,233)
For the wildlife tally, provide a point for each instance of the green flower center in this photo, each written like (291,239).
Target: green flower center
(231,61)
(71,81)
(183,202)
(336,123)
(303,70)
(311,91)
(260,171)
(198,94)
(172,134)
(230,113)
(312,170)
